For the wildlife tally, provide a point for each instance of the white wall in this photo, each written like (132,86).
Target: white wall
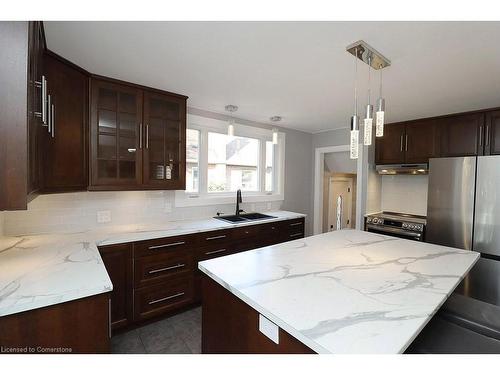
(71,212)
(405,193)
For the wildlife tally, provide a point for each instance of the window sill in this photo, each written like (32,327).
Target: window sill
(183,199)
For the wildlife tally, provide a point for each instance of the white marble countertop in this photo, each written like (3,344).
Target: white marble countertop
(43,270)
(347,291)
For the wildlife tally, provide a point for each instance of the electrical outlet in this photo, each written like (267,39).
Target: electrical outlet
(167,207)
(103,216)
(252,207)
(269,205)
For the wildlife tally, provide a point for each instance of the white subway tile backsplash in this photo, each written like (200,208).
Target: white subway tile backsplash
(78,211)
(405,194)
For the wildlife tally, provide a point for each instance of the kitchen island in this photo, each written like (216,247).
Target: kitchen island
(340,292)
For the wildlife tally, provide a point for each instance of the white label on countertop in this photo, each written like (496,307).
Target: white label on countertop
(269,329)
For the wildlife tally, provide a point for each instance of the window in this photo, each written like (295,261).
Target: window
(233,163)
(217,164)
(192,160)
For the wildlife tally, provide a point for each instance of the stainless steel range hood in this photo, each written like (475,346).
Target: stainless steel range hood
(412,169)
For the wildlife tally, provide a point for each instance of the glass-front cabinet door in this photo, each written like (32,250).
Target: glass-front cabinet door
(116,117)
(164,141)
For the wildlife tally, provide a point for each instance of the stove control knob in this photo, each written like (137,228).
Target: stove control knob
(405,226)
(368,219)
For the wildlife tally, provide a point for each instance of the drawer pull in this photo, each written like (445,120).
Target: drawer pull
(166,298)
(166,245)
(180,265)
(295,234)
(215,252)
(216,237)
(295,224)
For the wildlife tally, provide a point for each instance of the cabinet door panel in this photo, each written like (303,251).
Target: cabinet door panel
(389,149)
(116,115)
(461,135)
(421,141)
(492,133)
(165,142)
(118,262)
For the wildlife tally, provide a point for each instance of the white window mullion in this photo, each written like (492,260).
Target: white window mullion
(203,173)
(262,166)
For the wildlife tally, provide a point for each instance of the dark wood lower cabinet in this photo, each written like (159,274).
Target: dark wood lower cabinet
(160,276)
(230,326)
(80,326)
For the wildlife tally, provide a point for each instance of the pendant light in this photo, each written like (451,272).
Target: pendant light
(368,123)
(275,119)
(230,126)
(379,124)
(354,118)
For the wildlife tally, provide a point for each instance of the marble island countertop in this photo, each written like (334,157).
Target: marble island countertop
(347,291)
(42,270)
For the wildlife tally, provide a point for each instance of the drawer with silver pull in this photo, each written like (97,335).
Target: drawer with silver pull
(215,238)
(164,245)
(161,267)
(160,298)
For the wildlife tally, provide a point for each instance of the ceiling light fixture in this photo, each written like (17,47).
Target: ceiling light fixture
(275,131)
(230,126)
(369,55)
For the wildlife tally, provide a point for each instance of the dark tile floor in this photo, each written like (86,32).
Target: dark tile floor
(179,334)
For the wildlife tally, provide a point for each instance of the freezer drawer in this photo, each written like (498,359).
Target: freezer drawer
(487,214)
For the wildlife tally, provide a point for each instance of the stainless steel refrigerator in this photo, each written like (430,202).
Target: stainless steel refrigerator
(463,211)
(463,205)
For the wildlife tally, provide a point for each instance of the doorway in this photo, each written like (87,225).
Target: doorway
(340,197)
(336,175)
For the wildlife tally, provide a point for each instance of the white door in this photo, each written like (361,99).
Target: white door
(340,187)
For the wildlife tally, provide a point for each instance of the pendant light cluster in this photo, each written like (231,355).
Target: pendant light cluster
(230,125)
(362,51)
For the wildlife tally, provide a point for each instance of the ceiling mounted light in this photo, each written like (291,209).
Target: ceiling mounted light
(275,131)
(379,123)
(230,126)
(362,51)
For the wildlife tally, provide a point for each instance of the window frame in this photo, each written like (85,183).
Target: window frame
(203,198)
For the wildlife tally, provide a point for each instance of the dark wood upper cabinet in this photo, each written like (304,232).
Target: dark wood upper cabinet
(389,149)
(165,141)
(138,137)
(116,120)
(492,133)
(64,156)
(421,141)
(119,265)
(462,135)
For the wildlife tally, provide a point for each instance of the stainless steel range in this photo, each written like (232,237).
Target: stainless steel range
(396,224)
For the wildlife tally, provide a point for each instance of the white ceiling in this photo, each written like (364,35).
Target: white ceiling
(298,70)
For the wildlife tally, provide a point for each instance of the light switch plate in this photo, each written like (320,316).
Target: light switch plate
(103,216)
(269,329)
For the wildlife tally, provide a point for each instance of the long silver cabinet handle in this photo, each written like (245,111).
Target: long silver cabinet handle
(140,136)
(53,118)
(42,85)
(216,237)
(166,245)
(166,298)
(49,120)
(406,142)
(487,135)
(180,265)
(215,252)
(294,224)
(147,136)
(480,135)
(401,143)
(295,234)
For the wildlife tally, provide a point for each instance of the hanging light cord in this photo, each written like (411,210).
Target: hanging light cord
(380,88)
(355,81)
(369,71)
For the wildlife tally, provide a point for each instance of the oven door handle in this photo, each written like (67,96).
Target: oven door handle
(393,230)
